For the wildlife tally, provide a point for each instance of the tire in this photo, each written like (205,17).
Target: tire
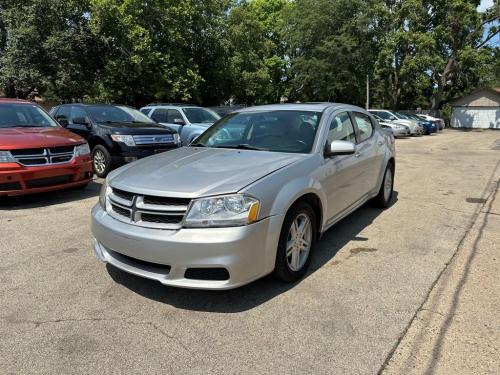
(101,161)
(384,198)
(294,266)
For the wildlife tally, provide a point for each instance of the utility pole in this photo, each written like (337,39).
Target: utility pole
(367,92)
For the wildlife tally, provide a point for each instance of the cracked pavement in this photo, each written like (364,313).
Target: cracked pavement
(412,289)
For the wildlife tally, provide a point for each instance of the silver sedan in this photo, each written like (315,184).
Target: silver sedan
(251,197)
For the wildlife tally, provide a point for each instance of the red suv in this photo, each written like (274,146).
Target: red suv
(36,153)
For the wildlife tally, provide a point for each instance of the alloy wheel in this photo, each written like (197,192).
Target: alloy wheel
(299,242)
(99,161)
(388,184)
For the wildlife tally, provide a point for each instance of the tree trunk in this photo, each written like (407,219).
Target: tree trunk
(441,81)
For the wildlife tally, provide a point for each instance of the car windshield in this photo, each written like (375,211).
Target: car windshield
(24,115)
(382,115)
(200,115)
(403,116)
(279,131)
(110,114)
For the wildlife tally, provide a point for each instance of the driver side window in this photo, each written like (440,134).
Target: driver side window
(76,112)
(341,129)
(172,115)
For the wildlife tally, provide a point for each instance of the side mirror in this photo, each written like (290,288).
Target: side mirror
(179,121)
(340,148)
(81,121)
(63,121)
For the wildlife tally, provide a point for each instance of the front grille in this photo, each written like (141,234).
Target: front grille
(50,181)
(28,152)
(166,201)
(43,156)
(120,210)
(61,149)
(161,219)
(147,211)
(154,139)
(123,194)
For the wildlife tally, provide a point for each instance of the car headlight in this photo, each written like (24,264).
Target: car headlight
(223,211)
(83,149)
(127,139)
(103,195)
(6,157)
(177,138)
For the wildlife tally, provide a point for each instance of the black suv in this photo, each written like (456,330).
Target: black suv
(117,134)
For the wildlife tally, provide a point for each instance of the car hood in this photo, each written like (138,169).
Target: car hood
(17,138)
(202,124)
(136,128)
(195,171)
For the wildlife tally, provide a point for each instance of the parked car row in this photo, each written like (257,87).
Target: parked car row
(403,124)
(96,138)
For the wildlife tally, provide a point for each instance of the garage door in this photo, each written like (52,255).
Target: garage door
(476,117)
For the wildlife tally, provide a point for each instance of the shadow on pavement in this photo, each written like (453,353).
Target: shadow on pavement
(257,292)
(23,202)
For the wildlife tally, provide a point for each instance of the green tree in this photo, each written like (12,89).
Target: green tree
(457,42)
(257,51)
(331,50)
(47,46)
(161,50)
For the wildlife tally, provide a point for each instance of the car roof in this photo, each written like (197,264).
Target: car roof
(175,106)
(91,104)
(313,107)
(14,101)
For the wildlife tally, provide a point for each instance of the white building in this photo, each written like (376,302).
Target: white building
(479,109)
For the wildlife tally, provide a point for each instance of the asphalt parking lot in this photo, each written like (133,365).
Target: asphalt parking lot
(357,311)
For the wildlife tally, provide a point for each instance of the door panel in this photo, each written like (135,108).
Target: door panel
(80,129)
(369,152)
(342,174)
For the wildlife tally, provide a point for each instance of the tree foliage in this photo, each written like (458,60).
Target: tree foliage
(416,53)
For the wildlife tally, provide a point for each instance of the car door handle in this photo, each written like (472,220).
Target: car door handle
(380,143)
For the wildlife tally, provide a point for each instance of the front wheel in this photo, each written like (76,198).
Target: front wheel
(101,161)
(384,196)
(296,243)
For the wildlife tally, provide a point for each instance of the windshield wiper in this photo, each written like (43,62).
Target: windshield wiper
(243,146)
(197,145)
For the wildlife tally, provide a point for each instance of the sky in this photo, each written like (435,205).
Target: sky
(485,4)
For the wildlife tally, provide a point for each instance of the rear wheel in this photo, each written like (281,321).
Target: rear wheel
(296,243)
(384,196)
(101,161)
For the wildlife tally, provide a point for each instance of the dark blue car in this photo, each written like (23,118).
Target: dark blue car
(429,126)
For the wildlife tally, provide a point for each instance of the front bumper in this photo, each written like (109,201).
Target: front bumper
(246,252)
(18,180)
(400,132)
(125,154)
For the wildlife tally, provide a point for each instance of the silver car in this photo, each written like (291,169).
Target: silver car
(251,197)
(397,130)
(396,118)
(188,120)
